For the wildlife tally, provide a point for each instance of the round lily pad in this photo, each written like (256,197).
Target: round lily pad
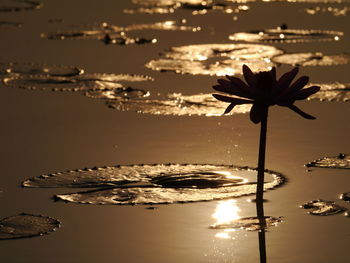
(322,208)
(18,5)
(178,104)
(27,225)
(332,92)
(249,223)
(341,161)
(312,59)
(156,184)
(215,59)
(287,35)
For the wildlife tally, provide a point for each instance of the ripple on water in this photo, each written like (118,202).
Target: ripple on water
(287,35)
(341,161)
(215,59)
(26,225)
(179,105)
(156,184)
(312,59)
(322,208)
(19,5)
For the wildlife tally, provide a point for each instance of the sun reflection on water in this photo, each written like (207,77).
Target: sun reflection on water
(226,212)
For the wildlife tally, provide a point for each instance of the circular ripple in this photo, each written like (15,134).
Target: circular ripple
(156,184)
(215,59)
(287,35)
(26,225)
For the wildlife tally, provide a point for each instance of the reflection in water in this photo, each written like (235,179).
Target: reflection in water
(226,212)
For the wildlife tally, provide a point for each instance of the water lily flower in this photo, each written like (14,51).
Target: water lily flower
(262,89)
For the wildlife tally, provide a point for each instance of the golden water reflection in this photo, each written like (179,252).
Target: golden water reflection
(226,212)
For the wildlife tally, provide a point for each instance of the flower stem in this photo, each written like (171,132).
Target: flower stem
(261,161)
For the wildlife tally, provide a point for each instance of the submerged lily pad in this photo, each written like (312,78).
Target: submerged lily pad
(18,5)
(178,104)
(287,35)
(332,92)
(38,69)
(312,59)
(8,24)
(26,225)
(215,59)
(342,161)
(84,82)
(156,184)
(249,223)
(322,207)
(345,196)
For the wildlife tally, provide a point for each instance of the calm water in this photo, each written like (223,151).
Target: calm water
(47,132)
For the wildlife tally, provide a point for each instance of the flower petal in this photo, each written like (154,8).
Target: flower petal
(242,89)
(249,76)
(236,101)
(230,108)
(234,87)
(257,112)
(287,78)
(301,113)
(298,84)
(305,93)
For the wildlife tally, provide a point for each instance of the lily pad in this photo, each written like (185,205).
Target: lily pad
(312,59)
(84,82)
(156,184)
(38,69)
(345,197)
(332,92)
(287,35)
(18,5)
(341,161)
(249,223)
(27,225)
(112,34)
(322,208)
(215,59)
(335,11)
(8,24)
(177,104)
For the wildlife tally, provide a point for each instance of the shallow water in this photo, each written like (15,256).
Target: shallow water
(44,132)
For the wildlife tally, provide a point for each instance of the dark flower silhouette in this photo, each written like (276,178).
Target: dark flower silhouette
(263,90)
